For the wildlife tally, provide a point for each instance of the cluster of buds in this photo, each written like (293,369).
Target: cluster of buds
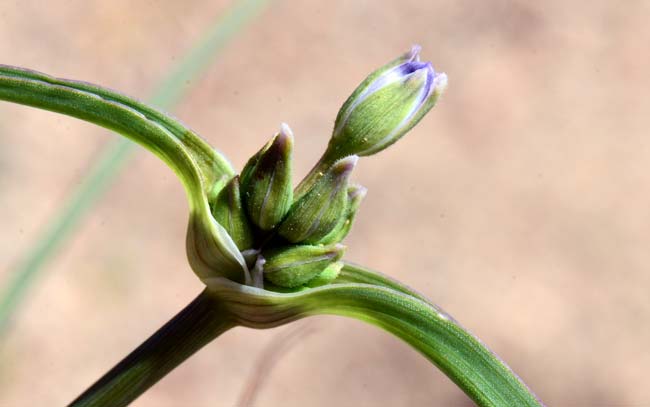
(291,239)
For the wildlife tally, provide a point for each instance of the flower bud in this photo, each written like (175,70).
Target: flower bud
(228,211)
(356,193)
(385,106)
(267,185)
(294,266)
(317,212)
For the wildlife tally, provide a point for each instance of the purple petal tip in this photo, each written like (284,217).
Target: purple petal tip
(414,53)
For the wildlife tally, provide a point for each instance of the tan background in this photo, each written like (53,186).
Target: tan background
(520,204)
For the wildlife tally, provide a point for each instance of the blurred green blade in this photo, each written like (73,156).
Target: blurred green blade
(173,88)
(60,228)
(115,154)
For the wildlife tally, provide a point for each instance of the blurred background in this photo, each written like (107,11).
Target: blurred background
(519,204)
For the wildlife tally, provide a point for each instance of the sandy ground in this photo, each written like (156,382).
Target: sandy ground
(520,204)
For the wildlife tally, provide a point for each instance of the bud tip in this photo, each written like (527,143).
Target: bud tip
(285,130)
(345,165)
(284,139)
(414,53)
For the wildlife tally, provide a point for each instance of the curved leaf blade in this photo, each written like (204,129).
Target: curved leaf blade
(482,375)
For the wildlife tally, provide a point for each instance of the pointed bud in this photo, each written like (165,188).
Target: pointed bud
(267,188)
(228,211)
(326,276)
(316,213)
(356,193)
(294,266)
(385,106)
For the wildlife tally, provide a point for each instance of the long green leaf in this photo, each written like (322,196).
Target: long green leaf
(183,151)
(484,377)
(114,156)
(168,139)
(354,273)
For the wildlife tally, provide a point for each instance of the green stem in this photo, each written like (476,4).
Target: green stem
(195,326)
(323,164)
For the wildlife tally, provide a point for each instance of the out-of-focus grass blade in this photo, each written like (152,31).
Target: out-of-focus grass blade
(114,156)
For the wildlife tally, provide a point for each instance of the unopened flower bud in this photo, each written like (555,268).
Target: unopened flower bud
(267,185)
(228,211)
(294,266)
(317,212)
(385,106)
(356,193)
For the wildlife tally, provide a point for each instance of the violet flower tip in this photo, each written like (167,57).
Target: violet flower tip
(414,53)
